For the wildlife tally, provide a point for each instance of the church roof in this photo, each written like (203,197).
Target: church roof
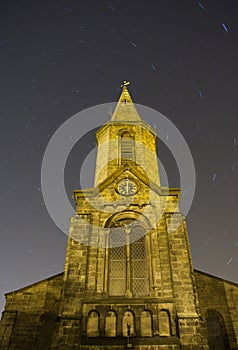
(125,109)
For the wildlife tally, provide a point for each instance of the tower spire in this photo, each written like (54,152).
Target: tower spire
(125,109)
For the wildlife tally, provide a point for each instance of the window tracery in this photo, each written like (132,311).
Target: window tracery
(128,269)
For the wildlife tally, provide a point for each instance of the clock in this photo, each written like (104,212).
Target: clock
(127,187)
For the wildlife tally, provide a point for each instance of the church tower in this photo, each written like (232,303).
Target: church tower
(128,281)
(128,278)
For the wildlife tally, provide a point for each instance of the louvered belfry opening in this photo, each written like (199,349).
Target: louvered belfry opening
(127,147)
(128,267)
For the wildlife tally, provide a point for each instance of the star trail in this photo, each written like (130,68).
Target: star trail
(60,57)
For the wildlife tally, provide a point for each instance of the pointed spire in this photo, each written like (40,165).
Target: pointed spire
(125,109)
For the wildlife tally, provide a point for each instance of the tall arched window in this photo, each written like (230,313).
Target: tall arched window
(93,324)
(139,268)
(146,324)
(111,324)
(127,147)
(164,323)
(117,262)
(128,270)
(128,327)
(217,335)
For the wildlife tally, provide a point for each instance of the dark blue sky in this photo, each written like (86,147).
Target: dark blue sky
(60,57)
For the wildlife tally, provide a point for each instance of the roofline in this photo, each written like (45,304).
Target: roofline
(94,191)
(33,284)
(216,277)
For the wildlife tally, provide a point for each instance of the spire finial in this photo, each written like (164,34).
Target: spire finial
(125,83)
(125,109)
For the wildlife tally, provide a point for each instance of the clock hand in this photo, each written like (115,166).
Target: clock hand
(127,187)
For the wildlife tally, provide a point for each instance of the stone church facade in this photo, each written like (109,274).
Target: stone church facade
(128,281)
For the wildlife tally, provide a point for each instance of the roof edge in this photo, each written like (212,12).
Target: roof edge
(216,277)
(34,284)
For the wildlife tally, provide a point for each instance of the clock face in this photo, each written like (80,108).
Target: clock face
(127,187)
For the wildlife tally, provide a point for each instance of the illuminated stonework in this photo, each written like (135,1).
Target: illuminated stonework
(133,285)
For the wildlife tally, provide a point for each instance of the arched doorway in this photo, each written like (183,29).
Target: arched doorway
(45,330)
(217,335)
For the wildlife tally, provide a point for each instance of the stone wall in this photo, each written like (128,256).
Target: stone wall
(219,298)
(30,312)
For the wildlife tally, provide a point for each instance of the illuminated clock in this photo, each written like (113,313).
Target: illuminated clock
(127,187)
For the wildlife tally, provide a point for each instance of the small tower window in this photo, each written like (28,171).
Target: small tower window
(127,147)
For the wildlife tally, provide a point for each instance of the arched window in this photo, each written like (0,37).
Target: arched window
(93,324)
(139,269)
(127,147)
(146,324)
(111,324)
(117,262)
(164,323)
(128,328)
(128,270)
(217,335)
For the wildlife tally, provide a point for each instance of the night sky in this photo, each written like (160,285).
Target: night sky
(59,57)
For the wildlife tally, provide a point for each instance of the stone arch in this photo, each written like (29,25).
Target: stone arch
(93,324)
(45,330)
(128,217)
(126,134)
(164,323)
(111,324)
(128,323)
(129,131)
(217,334)
(146,323)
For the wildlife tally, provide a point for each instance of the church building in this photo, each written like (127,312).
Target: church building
(128,280)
